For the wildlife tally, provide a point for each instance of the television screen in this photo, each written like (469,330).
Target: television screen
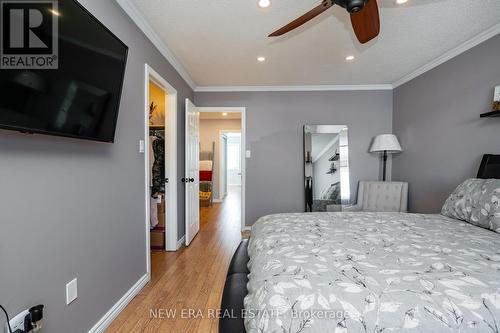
(61,71)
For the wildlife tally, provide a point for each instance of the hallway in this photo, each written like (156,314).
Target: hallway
(191,279)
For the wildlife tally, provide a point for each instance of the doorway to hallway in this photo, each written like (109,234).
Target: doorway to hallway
(221,164)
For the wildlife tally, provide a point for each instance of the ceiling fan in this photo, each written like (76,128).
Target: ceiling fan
(364,18)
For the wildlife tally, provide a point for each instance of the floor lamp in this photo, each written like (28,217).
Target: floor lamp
(385,144)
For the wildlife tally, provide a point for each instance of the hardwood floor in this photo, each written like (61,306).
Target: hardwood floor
(191,279)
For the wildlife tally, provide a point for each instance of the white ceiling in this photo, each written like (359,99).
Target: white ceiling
(218,41)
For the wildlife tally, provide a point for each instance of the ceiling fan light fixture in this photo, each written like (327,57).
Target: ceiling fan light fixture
(400,2)
(261,59)
(264,3)
(349,58)
(354,6)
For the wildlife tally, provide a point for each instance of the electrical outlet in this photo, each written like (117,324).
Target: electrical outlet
(71,291)
(17,323)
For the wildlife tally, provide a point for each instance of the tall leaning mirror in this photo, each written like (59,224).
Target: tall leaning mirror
(326,168)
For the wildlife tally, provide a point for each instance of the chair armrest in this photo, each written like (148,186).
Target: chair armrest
(404,198)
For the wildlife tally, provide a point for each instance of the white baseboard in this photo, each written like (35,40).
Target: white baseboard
(181,242)
(108,318)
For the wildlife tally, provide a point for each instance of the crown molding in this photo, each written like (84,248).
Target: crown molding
(139,19)
(294,88)
(450,54)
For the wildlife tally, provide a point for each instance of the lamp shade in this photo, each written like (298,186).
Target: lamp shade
(386,142)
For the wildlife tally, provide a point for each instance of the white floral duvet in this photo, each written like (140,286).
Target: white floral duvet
(372,272)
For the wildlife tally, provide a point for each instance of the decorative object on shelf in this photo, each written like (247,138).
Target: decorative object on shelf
(335,157)
(495,112)
(496,99)
(385,144)
(496,106)
(332,170)
(152,108)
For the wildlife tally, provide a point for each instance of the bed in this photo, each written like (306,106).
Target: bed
(366,272)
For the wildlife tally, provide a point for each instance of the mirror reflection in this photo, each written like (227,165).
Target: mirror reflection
(326,168)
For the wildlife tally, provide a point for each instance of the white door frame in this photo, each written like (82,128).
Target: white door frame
(170,162)
(242,111)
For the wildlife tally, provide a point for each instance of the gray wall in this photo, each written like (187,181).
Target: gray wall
(72,208)
(274,135)
(436,116)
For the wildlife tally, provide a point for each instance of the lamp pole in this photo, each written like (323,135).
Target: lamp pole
(385,165)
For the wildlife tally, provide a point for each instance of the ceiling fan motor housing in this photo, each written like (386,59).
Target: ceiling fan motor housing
(352,6)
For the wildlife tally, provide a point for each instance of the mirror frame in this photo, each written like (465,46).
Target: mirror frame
(345,184)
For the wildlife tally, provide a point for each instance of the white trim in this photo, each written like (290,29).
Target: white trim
(181,242)
(293,88)
(243,111)
(171,196)
(139,19)
(108,318)
(247,228)
(218,200)
(476,40)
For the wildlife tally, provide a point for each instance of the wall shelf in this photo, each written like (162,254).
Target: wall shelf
(490,114)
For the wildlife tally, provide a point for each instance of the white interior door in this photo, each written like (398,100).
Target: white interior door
(192,171)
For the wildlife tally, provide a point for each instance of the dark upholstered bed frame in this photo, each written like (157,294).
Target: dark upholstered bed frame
(490,167)
(235,288)
(235,291)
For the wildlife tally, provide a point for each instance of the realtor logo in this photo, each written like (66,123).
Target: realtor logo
(29,34)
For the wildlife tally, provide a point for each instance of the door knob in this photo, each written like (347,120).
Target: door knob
(166,180)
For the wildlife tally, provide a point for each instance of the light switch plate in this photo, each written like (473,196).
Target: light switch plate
(142,146)
(248,153)
(71,291)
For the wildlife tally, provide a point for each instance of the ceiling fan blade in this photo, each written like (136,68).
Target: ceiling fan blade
(303,19)
(366,23)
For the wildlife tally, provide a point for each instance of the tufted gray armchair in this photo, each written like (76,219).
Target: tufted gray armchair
(381,197)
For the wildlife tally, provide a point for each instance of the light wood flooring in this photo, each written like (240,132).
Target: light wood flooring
(191,278)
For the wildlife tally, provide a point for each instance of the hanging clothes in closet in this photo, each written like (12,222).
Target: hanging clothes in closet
(158,169)
(156,172)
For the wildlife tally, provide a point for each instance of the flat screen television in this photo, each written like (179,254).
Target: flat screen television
(81,97)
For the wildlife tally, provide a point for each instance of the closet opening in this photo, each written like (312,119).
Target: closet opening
(158,178)
(160,151)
